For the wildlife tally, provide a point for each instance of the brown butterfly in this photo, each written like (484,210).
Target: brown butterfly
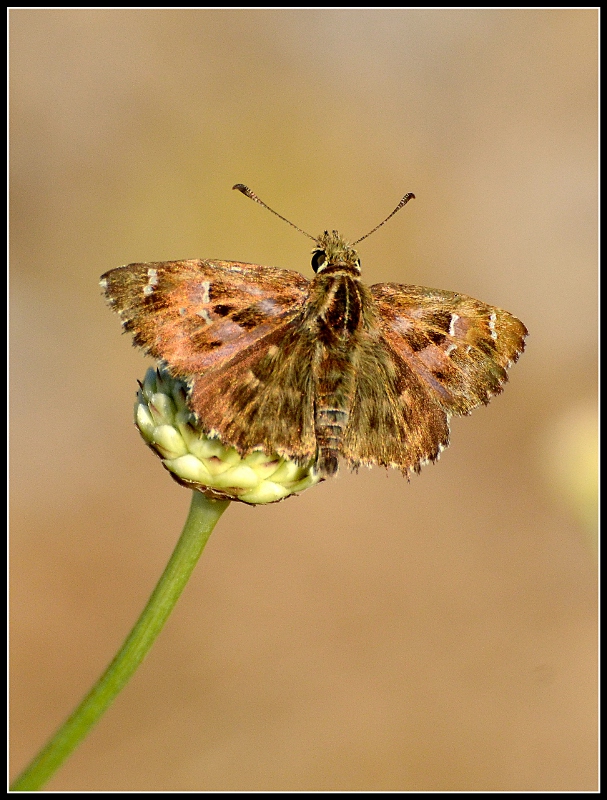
(322,369)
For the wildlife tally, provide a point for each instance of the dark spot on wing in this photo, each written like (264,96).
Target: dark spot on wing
(249,318)
(416,340)
(438,319)
(222,310)
(436,337)
(155,302)
(487,346)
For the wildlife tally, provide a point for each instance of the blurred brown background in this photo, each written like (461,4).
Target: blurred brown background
(372,634)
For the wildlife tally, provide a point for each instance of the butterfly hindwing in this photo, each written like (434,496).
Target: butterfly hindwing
(264,397)
(396,419)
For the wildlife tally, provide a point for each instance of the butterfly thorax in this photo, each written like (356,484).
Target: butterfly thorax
(339,304)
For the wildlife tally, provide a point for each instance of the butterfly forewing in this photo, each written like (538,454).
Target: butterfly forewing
(195,315)
(457,345)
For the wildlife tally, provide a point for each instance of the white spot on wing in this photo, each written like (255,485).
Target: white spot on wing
(492,320)
(268,306)
(251,380)
(206,297)
(205,316)
(402,325)
(152,281)
(454,319)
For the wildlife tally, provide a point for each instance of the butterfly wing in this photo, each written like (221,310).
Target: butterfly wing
(395,419)
(264,397)
(226,328)
(460,347)
(439,354)
(197,314)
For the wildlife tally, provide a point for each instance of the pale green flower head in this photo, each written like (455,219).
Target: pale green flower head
(202,462)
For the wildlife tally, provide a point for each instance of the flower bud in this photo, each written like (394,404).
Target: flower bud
(202,462)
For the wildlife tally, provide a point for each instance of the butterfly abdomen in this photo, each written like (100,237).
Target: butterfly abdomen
(335,379)
(330,425)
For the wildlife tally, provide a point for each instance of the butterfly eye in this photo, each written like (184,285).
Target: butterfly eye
(319,259)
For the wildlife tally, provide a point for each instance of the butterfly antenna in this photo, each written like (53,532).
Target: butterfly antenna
(248,193)
(403,202)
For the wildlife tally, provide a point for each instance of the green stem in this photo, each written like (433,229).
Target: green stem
(202,517)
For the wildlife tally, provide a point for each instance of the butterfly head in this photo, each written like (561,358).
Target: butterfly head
(333,251)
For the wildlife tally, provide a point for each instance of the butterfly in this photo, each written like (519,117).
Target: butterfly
(318,370)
